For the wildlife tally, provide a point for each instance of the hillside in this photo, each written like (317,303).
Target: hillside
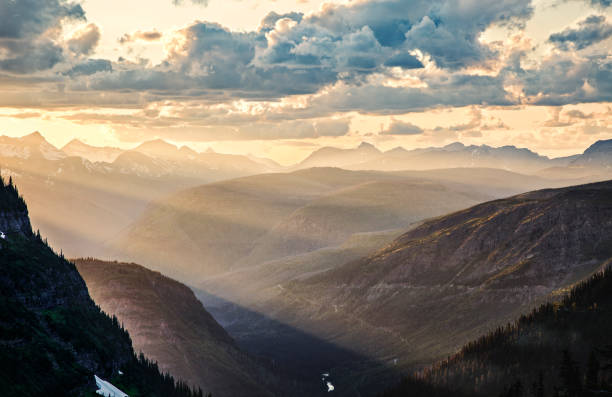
(242,222)
(447,281)
(169,325)
(561,347)
(53,338)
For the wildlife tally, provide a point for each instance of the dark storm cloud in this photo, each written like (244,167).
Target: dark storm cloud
(592,30)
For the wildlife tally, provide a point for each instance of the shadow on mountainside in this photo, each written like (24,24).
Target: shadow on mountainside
(299,357)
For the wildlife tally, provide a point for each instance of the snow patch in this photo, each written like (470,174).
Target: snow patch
(107,389)
(330,386)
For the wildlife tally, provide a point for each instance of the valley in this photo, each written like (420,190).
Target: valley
(306,198)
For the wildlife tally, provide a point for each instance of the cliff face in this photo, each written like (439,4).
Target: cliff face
(171,326)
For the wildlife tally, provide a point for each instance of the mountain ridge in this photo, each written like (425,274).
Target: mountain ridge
(169,325)
(53,338)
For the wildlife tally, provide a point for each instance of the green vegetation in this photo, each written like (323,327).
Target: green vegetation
(560,349)
(53,338)
(9,196)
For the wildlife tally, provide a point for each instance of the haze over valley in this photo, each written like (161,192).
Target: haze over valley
(306,198)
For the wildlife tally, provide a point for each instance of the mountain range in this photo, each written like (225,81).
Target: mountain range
(363,273)
(79,204)
(456,155)
(108,187)
(243,222)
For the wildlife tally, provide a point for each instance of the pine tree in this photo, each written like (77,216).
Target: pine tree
(537,389)
(570,376)
(592,375)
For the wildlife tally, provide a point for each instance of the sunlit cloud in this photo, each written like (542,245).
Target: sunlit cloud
(335,72)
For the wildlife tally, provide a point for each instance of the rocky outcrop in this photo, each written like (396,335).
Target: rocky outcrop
(12,221)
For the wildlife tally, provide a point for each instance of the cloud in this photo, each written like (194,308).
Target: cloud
(350,41)
(197,2)
(562,80)
(402,128)
(441,90)
(31,18)
(270,20)
(601,3)
(84,41)
(297,75)
(293,54)
(140,35)
(447,30)
(592,30)
(90,67)
(577,114)
(404,61)
(556,121)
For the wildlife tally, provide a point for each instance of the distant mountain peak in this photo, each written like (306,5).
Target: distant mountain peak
(454,146)
(187,150)
(210,150)
(366,145)
(156,143)
(397,149)
(604,145)
(75,143)
(34,137)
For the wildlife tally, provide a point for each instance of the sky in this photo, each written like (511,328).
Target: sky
(282,78)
